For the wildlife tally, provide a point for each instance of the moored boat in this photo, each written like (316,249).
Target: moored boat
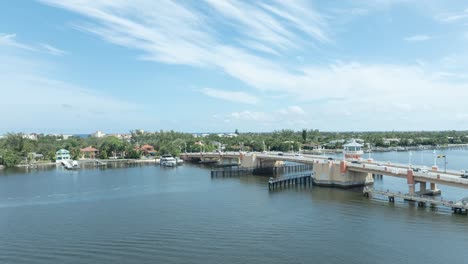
(168,161)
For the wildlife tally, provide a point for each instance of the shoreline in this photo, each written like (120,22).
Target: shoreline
(87,162)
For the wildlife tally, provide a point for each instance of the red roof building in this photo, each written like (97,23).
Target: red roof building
(147,150)
(88,152)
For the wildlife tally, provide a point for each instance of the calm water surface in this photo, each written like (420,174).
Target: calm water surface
(150,214)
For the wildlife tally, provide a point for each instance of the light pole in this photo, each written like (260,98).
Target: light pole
(445,162)
(410,154)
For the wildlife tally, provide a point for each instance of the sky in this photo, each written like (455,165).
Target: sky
(77,66)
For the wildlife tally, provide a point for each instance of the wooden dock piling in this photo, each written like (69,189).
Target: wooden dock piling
(301,180)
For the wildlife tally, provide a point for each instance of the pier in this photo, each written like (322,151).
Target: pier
(301,179)
(234,172)
(422,200)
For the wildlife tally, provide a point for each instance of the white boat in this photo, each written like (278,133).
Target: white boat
(70,164)
(168,161)
(179,161)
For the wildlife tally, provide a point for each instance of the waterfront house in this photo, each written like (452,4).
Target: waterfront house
(62,154)
(88,153)
(148,150)
(35,156)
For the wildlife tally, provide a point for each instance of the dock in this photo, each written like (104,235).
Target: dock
(422,200)
(232,172)
(300,179)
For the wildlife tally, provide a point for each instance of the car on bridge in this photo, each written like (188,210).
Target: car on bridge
(464,174)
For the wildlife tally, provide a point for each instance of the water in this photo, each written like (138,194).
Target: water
(148,214)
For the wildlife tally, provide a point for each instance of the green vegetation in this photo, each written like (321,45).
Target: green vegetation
(15,148)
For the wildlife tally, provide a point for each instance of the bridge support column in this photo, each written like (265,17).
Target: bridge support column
(434,190)
(332,174)
(422,187)
(410,181)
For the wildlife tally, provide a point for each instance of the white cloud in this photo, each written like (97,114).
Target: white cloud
(180,34)
(452,16)
(10,40)
(39,102)
(417,38)
(239,97)
(292,110)
(52,50)
(291,114)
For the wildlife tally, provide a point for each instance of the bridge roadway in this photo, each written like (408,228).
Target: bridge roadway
(449,178)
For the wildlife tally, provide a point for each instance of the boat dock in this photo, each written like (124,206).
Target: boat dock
(232,172)
(300,179)
(422,200)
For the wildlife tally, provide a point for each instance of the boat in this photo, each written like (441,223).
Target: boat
(70,164)
(179,161)
(168,161)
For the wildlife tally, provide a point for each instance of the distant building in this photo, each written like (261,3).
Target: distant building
(98,134)
(388,141)
(88,152)
(67,136)
(62,154)
(121,136)
(147,150)
(232,135)
(340,141)
(32,136)
(35,156)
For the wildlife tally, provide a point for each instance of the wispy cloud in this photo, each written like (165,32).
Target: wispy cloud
(52,50)
(292,116)
(10,40)
(453,16)
(44,103)
(185,34)
(417,38)
(238,97)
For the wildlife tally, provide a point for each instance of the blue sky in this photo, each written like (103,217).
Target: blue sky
(211,65)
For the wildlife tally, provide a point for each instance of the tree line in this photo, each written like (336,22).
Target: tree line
(15,148)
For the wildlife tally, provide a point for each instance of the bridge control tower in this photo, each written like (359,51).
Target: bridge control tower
(353,150)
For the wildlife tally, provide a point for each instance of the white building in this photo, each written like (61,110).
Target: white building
(98,134)
(388,141)
(32,136)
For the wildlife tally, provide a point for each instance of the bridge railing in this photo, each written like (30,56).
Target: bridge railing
(439,176)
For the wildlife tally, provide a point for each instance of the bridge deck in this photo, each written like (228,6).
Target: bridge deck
(451,178)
